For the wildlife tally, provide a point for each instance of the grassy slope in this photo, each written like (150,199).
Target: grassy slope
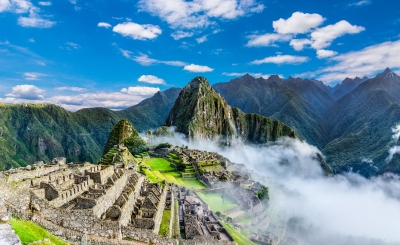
(216,203)
(239,238)
(165,222)
(28,232)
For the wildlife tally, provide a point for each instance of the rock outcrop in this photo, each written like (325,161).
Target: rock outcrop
(201,113)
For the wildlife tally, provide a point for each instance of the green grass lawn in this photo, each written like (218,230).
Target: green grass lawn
(164,227)
(216,203)
(237,236)
(28,232)
(150,176)
(158,164)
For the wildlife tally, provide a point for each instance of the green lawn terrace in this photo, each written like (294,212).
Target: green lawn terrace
(161,169)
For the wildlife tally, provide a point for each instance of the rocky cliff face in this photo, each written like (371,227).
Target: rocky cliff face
(201,113)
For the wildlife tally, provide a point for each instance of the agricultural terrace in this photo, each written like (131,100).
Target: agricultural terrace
(218,202)
(160,169)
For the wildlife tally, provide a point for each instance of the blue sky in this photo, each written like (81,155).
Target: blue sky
(115,53)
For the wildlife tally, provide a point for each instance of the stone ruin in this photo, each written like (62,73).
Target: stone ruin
(196,219)
(98,204)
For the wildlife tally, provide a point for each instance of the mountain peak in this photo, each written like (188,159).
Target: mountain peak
(387,70)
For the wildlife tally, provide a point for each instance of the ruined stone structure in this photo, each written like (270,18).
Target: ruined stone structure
(196,219)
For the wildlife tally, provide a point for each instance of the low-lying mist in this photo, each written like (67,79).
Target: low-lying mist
(343,209)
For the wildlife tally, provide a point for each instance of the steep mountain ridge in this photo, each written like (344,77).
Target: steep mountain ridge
(30,133)
(201,113)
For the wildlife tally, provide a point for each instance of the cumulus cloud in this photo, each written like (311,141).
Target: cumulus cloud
(27,92)
(74,89)
(197,68)
(45,3)
(33,75)
(267,39)
(104,24)
(137,31)
(281,59)
(298,23)
(35,20)
(299,44)
(151,79)
(181,14)
(322,53)
(365,62)
(181,34)
(323,37)
(114,100)
(201,39)
(140,90)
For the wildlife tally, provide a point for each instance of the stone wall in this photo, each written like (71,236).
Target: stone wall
(127,208)
(68,195)
(160,211)
(107,200)
(22,173)
(99,174)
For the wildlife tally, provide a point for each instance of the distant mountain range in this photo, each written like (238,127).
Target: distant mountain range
(351,123)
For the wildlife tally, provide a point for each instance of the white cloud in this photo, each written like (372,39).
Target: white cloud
(197,68)
(151,79)
(28,92)
(281,59)
(267,39)
(73,45)
(73,1)
(360,3)
(323,37)
(181,14)
(256,75)
(140,90)
(201,39)
(181,34)
(33,76)
(299,44)
(4,5)
(45,3)
(365,62)
(113,100)
(104,24)
(145,60)
(74,89)
(35,20)
(298,23)
(137,31)
(322,53)
(31,40)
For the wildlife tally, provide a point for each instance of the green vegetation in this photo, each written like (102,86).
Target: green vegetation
(239,238)
(175,221)
(158,164)
(28,232)
(263,193)
(165,222)
(216,202)
(124,133)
